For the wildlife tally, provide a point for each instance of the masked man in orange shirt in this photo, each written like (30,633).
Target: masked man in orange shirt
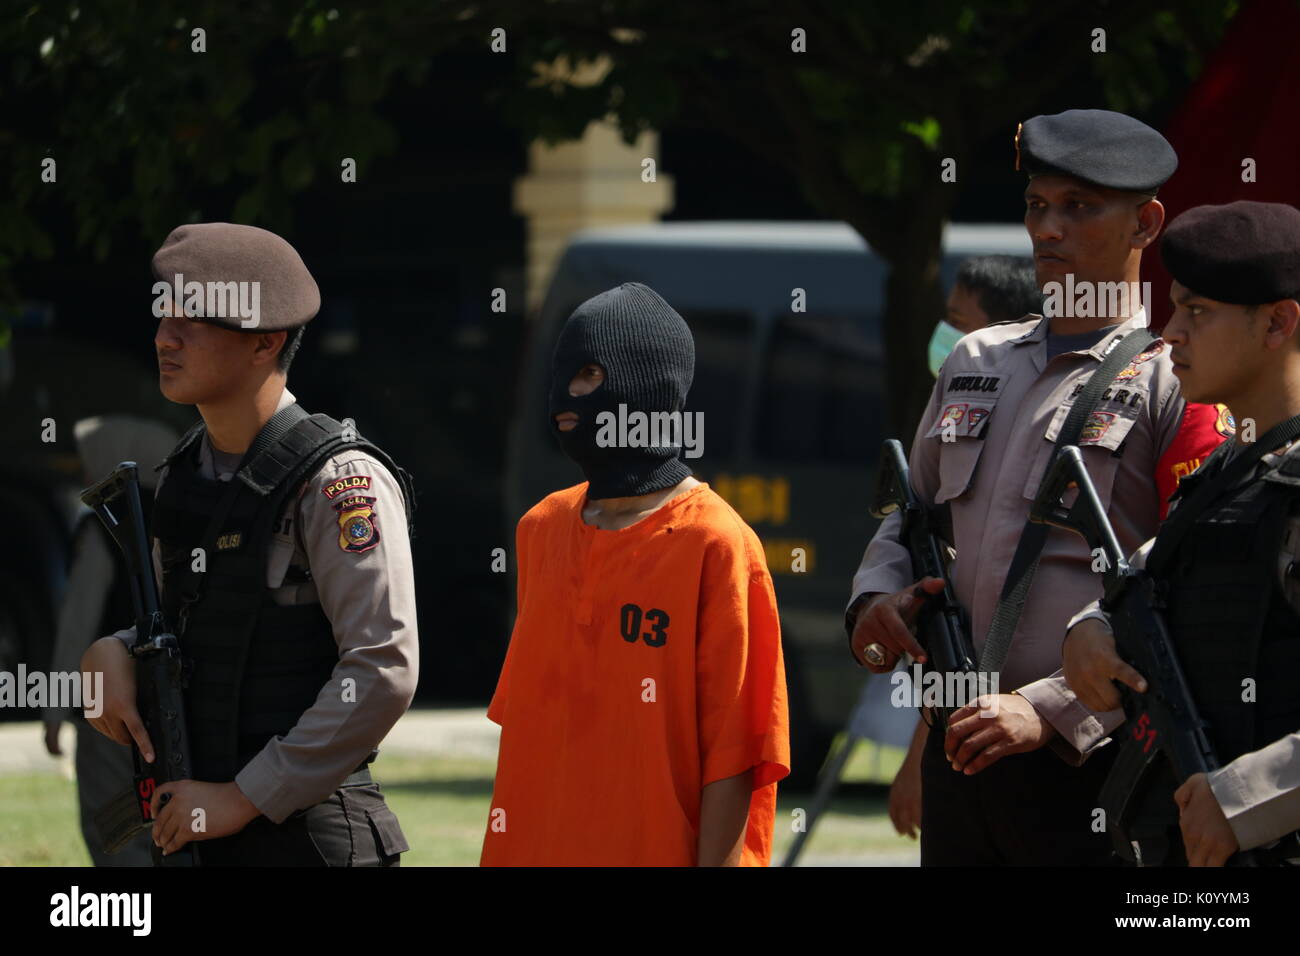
(642,703)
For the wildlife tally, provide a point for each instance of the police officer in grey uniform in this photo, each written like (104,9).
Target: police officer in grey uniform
(281,541)
(992,793)
(1229,554)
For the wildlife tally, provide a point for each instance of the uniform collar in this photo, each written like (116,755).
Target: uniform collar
(286,399)
(206,456)
(1039,333)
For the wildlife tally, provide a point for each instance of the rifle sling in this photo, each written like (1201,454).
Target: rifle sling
(1024,563)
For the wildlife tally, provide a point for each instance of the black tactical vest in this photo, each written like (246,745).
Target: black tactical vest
(253,667)
(1227,614)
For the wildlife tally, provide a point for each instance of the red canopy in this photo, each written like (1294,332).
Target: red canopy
(1245,104)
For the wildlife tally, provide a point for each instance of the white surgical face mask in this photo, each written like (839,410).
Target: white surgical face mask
(943,341)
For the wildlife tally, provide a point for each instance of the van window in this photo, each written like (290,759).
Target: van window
(820,396)
(724,346)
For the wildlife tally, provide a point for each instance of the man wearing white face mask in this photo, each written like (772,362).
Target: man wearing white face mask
(988,290)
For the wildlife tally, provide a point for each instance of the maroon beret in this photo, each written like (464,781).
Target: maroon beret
(1243,253)
(271,283)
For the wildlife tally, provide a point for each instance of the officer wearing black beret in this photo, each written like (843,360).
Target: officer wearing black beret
(1006,784)
(1102,147)
(1230,552)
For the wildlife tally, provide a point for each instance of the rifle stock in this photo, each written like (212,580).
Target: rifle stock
(159,679)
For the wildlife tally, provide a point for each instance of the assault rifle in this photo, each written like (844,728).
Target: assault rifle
(1164,738)
(941,626)
(116,500)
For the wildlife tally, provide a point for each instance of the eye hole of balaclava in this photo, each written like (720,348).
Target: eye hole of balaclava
(589,378)
(567,400)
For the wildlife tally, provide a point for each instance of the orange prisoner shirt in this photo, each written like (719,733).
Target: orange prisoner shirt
(645,663)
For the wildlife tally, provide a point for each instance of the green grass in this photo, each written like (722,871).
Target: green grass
(872,763)
(857,824)
(39,825)
(442,803)
(855,829)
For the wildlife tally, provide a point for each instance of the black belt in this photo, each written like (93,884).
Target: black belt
(362,774)
(357,777)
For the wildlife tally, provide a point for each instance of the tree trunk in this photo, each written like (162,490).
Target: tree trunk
(914,302)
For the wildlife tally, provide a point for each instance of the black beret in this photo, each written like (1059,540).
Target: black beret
(1100,146)
(272,275)
(1243,253)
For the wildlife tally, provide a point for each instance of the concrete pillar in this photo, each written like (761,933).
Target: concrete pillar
(593,181)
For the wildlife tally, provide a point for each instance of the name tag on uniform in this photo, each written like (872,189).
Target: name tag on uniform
(230,540)
(1130,396)
(977,384)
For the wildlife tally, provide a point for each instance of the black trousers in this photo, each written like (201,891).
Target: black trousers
(354,827)
(1029,809)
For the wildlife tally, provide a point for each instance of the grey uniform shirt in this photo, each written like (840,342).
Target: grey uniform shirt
(1259,792)
(369,598)
(1002,402)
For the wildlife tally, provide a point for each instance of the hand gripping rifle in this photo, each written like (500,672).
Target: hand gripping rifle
(1164,738)
(116,500)
(941,625)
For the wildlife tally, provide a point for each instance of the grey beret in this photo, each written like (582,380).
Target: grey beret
(1099,146)
(216,253)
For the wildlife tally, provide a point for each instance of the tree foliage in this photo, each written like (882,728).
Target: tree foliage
(139,122)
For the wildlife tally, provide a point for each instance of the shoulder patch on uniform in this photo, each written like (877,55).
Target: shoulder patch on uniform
(1132,369)
(358,523)
(954,413)
(1155,349)
(1224,424)
(345,484)
(1096,427)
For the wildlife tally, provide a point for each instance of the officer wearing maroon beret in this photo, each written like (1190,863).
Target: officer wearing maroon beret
(1229,554)
(298,623)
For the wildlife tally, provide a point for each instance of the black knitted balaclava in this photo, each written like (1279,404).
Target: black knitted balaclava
(648,355)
